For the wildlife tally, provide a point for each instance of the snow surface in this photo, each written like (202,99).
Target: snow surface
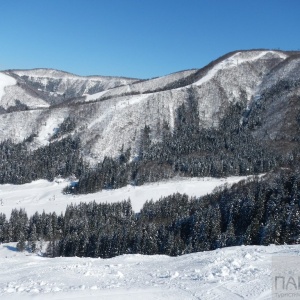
(94,96)
(49,127)
(44,195)
(289,71)
(223,274)
(5,81)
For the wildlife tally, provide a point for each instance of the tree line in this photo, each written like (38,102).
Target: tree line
(18,165)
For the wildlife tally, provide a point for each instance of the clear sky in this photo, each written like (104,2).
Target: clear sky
(139,38)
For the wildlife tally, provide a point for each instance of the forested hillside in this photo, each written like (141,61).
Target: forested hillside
(188,150)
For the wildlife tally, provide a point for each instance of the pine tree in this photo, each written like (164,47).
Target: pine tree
(32,240)
(21,242)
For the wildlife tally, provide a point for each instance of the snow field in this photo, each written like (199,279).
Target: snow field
(227,274)
(43,195)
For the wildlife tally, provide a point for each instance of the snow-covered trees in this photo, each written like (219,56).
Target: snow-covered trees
(19,166)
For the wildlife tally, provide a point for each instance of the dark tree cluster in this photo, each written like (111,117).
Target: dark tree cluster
(67,126)
(30,232)
(253,212)
(18,165)
(17,107)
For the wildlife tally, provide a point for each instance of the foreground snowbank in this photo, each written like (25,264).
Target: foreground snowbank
(229,273)
(43,195)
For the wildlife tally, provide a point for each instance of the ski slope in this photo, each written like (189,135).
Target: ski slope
(5,81)
(44,195)
(224,274)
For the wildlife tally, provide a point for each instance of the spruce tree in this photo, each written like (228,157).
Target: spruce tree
(21,242)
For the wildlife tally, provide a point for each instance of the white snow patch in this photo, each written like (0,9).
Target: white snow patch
(48,128)
(131,101)
(94,96)
(5,81)
(120,105)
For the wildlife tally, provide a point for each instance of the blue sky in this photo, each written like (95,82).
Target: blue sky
(139,38)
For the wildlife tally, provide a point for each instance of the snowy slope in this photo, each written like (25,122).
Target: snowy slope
(41,88)
(146,86)
(43,195)
(237,59)
(123,117)
(58,82)
(224,274)
(17,93)
(10,92)
(279,92)
(5,81)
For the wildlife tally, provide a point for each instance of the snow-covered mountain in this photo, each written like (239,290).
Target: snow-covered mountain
(110,112)
(55,86)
